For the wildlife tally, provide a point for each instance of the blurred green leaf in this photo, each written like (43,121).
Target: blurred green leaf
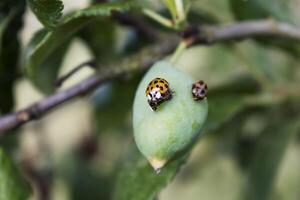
(223,108)
(42,52)
(99,35)
(12,184)
(269,153)
(84,180)
(218,10)
(138,181)
(197,17)
(10,20)
(9,142)
(11,13)
(228,99)
(51,65)
(47,11)
(260,9)
(172,7)
(110,114)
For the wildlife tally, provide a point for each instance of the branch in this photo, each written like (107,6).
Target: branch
(130,65)
(146,57)
(90,63)
(249,29)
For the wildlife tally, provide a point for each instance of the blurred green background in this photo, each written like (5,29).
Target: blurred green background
(85,149)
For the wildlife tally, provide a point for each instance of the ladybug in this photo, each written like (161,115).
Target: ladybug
(157,92)
(199,90)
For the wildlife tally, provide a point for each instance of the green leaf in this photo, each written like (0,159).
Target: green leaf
(268,154)
(258,9)
(218,10)
(223,108)
(12,184)
(137,180)
(110,115)
(48,12)
(11,13)
(103,48)
(51,44)
(228,99)
(51,65)
(100,10)
(84,182)
(172,7)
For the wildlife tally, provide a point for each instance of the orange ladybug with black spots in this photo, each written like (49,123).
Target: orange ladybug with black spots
(157,92)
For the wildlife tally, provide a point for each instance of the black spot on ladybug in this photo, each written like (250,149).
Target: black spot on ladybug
(155,82)
(201,82)
(161,88)
(166,86)
(206,87)
(151,88)
(157,86)
(161,81)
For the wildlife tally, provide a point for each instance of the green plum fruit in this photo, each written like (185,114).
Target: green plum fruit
(171,129)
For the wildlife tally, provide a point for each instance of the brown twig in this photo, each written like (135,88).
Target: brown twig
(143,59)
(36,110)
(60,80)
(238,31)
(132,64)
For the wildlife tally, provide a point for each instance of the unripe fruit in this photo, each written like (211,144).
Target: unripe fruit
(175,125)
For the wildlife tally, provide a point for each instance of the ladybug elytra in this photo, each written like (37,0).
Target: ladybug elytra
(157,92)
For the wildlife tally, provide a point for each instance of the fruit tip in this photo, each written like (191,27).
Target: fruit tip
(157,164)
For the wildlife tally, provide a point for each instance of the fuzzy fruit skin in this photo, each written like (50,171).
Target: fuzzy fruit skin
(175,125)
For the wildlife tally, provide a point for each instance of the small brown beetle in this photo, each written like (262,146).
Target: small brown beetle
(199,90)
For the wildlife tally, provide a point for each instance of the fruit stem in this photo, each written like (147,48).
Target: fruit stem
(180,48)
